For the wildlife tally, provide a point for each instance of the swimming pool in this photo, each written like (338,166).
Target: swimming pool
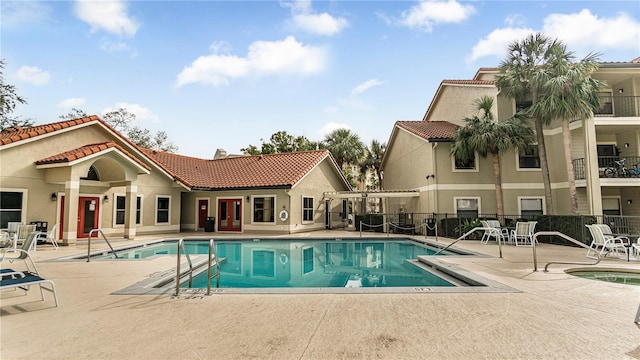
(618,276)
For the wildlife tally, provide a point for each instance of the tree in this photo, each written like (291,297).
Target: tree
(121,120)
(569,93)
(9,99)
(522,76)
(483,135)
(345,146)
(281,142)
(373,159)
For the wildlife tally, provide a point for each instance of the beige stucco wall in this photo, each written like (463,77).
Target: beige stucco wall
(456,103)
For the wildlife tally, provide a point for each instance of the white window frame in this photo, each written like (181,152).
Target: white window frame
(275,200)
(168,213)
(518,168)
(612,197)
(304,209)
(25,200)
(456,198)
(476,162)
(115,210)
(541,198)
(253,275)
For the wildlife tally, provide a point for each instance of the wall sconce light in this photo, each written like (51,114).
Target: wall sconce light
(626,145)
(431,176)
(54,196)
(629,201)
(106,198)
(248,198)
(620,91)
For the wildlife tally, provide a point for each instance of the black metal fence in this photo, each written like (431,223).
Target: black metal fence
(452,226)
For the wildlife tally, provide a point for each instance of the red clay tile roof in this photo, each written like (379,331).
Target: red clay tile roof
(636,60)
(430,130)
(273,170)
(18,133)
(468,82)
(87,150)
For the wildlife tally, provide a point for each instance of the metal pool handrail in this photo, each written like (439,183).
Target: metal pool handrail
(105,239)
(557,233)
(490,229)
(211,255)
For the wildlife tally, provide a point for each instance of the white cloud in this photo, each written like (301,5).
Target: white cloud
(582,32)
(586,30)
(71,103)
(427,13)
(33,75)
(263,58)
(304,18)
(366,86)
(142,113)
(497,41)
(20,13)
(110,16)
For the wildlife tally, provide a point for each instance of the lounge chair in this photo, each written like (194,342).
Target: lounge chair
(22,234)
(606,243)
(17,279)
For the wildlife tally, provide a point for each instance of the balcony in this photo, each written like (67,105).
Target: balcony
(619,106)
(632,163)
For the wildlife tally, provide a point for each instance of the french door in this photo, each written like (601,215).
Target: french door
(229,214)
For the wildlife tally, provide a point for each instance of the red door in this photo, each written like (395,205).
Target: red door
(203,212)
(88,210)
(230,215)
(61,227)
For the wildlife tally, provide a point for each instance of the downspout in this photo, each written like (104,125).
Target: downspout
(435,182)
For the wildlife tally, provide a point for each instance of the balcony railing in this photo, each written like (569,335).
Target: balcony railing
(632,163)
(619,106)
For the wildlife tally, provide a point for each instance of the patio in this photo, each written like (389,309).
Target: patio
(554,315)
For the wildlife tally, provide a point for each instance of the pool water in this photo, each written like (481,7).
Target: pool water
(308,263)
(618,277)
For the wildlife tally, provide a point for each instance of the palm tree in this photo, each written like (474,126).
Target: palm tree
(569,93)
(345,146)
(521,76)
(373,159)
(483,135)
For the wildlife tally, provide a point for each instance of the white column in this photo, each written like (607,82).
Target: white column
(130,210)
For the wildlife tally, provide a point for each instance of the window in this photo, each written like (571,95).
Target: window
(264,209)
(528,158)
(530,208)
(120,207)
(465,164)
(10,207)
(611,206)
(162,209)
(307,209)
(307,260)
(607,154)
(522,105)
(92,174)
(467,208)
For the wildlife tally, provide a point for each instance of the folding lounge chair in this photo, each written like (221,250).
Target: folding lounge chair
(13,279)
(521,234)
(606,243)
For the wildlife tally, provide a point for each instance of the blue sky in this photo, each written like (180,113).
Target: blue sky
(226,74)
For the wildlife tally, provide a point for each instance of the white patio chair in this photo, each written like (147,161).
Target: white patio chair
(22,234)
(48,236)
(605,242)
(496,230)
(521,235)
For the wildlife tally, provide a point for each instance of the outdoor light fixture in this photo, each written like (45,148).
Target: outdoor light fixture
(431,176)
(248,198)
(629,202)
(106,198)
(54,196)
(626,145)
(620,91)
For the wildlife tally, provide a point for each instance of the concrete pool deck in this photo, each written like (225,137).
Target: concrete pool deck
(551,315)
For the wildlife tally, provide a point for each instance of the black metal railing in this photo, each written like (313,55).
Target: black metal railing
(609,167)
(619,106)
(452,226)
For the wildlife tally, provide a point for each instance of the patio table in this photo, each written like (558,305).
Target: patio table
(629,243)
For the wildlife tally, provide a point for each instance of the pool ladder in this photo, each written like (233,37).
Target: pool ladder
(212,254)
(105,239)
